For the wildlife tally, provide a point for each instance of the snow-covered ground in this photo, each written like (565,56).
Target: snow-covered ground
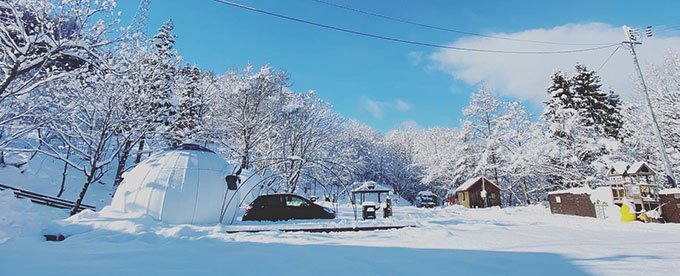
(446,241)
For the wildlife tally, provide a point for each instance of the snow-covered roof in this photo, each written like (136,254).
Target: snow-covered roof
(637,166)
(467,184)
(425,193)
(179,185)
(620,168)
(578,190)
(670,191)
(370,186)
(603,194)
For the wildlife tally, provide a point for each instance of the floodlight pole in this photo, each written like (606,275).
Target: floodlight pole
(631,42)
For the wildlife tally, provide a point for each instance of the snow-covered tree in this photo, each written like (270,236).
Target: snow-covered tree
(664,84)
(515,129)
(93,113)
(249,106)
(482,119)
(186,125)
(595,107)
(397,165)
(158,79)
(43,41)
(308,136)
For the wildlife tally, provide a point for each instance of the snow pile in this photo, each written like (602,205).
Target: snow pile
(43,175)
(19,218)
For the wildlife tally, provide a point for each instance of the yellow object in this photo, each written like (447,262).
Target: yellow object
(626,214)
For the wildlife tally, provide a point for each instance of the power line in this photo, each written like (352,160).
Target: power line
(408,41)
(448,29)
(607,60)
(667,30)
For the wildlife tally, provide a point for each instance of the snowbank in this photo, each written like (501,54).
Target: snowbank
(43,175)
(490,241)
(19,218)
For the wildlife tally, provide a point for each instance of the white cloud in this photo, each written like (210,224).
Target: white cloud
(402,105)
(410,124)
(526,77)
(377,108)
(416,57)
(374,107)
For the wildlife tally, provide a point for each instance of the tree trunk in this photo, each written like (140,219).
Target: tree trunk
(74,211)
(524,191)
(40,142)
(140,149)
(9,78)
(64,173)
(122,160)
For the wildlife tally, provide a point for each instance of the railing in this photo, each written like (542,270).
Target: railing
(46,200)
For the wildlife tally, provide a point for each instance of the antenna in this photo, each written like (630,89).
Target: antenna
(140,20)
(633,38)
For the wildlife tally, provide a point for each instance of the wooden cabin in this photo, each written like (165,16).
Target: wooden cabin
(636,182)
(470,194)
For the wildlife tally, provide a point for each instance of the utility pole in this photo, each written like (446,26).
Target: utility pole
(633,37)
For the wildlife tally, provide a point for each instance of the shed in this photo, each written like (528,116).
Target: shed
(670,200)
(183,184)
(372,190)
(635,182)
(470,193)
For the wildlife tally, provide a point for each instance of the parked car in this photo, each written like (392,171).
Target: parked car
(284,207)
(426,199)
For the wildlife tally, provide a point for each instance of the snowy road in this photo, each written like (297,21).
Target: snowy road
(447,241)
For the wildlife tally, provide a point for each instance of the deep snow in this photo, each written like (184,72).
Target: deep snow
(450,240)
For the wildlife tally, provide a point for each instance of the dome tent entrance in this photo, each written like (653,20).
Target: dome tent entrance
(183,184)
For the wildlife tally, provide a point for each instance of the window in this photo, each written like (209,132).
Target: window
(558,199)
(232,182)
(294,201)
(492,196)
(273,200)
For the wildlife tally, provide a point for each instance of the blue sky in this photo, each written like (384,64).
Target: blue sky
(386,84)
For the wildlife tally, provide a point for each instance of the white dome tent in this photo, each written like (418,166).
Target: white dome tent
(183,184)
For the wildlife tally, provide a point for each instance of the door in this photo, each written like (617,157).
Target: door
(297,207)
(273,208)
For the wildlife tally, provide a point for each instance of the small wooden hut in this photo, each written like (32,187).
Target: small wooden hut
(478,192)
(636,182)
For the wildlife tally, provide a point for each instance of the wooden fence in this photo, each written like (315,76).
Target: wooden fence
(46,200)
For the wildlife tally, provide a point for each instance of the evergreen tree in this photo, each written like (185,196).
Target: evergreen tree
(157,81)
(163,62)
(188,120)
(561,98)
(579,117)
(613,122)
(597,108)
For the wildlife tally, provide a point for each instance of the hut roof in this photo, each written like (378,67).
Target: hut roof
(370,187)
(470,182)
(620,168)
